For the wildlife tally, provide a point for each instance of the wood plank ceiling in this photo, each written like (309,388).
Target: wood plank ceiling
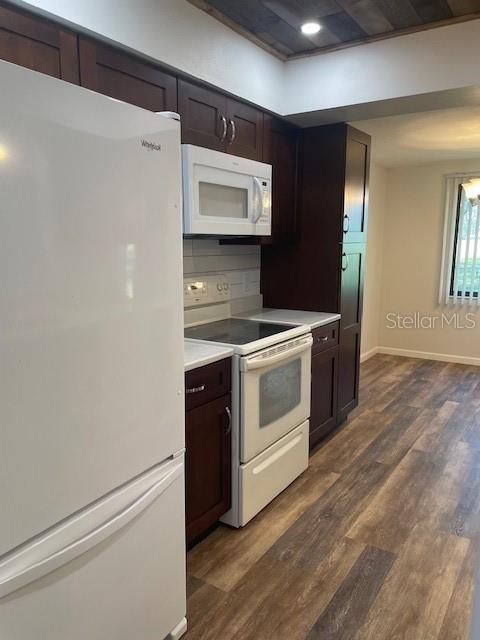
(275,24)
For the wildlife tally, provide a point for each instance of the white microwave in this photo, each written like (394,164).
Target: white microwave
(224,195)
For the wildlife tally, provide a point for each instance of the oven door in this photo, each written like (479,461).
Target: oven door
(275,394)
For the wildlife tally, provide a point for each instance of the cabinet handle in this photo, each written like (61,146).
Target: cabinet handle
(346,219)
(323,339)
(229,415)
(234,131)
(224,128)
(344,255)
(195,389)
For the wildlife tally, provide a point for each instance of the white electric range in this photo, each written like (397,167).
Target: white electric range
(270,394)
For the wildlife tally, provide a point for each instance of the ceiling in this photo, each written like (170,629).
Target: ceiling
(275,24)
(418,138)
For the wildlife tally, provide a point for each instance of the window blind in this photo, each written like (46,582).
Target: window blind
(460,280)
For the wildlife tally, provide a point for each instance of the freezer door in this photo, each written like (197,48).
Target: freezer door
(91,327)
(114,570)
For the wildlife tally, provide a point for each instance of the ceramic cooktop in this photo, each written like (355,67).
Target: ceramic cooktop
(235,331)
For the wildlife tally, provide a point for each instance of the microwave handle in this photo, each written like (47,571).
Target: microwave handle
(259,363)
(259,200)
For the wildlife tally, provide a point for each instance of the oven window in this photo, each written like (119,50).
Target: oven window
(220,201)
(280,391)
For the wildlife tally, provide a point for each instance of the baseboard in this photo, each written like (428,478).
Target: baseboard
(426,355)
(369,354)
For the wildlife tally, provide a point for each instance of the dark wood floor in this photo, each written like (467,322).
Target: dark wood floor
(376,540)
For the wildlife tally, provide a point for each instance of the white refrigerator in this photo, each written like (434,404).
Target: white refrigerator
(91,366)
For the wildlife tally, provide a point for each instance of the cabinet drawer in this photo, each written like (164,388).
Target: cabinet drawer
(207,383)
(325,337)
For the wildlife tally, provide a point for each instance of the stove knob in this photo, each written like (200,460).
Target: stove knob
(225,286)
(219,287)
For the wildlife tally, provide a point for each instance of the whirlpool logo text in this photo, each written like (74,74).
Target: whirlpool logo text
(151,146)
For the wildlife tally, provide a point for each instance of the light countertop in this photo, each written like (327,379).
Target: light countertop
(313,319)
(198,354)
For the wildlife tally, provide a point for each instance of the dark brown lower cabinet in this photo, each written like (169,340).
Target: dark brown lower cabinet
(208,465)
(323,409)
(351,302)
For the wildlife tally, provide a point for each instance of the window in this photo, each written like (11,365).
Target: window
(460,280)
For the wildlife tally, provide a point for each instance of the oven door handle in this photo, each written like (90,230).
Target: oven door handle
(258,362)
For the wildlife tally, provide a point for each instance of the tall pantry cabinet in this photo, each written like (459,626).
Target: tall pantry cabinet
(322,269)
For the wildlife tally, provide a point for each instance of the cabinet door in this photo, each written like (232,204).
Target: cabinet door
(203,113)
(245,130)
(36,43)
(280,150)
(323,413)
(208,465)
(119,75)
(356,186)
(351,300)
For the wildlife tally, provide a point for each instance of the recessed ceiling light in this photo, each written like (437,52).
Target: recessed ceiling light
(310,28)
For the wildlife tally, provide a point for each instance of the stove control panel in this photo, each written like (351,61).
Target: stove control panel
(205,289)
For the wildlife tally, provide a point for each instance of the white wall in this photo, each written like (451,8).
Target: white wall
(182,36)
(411,249)
(428,61)
(374,256)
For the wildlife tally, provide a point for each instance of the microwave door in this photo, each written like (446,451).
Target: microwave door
(222,202)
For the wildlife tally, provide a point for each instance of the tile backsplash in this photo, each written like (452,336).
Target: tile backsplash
(240,263)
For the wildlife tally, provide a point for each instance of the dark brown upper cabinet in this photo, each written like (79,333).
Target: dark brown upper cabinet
(335,162)
(33,42)
(120,75)
(210,119)
(357,162)
(281,151)
(333,165)
(244,130)
(203,114)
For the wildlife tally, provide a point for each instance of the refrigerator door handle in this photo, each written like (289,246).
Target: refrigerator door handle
(62,543)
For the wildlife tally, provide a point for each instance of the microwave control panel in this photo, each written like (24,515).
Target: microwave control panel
(207,289)
(266,214)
